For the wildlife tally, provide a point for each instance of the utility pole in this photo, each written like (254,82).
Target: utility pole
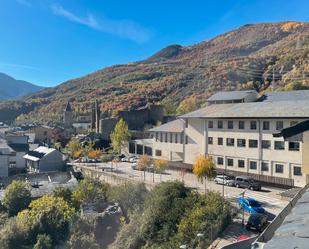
(273,81)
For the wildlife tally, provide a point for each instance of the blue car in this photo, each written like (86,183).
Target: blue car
(250,205)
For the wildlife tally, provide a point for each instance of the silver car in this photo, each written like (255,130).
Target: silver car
(223,179)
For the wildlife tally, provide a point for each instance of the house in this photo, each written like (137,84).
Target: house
(239,136)
(5,153)
(44,159)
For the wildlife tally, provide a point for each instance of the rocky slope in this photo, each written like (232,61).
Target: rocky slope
(245,58)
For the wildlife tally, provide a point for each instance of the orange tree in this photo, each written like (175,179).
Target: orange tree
(160,166)
(143,163)
(204,168)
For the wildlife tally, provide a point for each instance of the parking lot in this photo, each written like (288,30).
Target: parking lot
(269,197)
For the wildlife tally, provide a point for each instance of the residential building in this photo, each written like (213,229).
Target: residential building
(44,159)
(239,136)
(5,153)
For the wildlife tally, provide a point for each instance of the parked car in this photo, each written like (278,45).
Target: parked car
(133,159)
(257,222)
(247,182)
(250,205)
(223,179)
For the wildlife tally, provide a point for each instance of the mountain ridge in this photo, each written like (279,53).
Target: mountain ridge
(249,57)
(10,88)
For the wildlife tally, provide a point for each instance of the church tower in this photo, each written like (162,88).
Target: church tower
(68,116)
(97,116)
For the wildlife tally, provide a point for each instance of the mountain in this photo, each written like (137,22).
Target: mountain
(11,88)
(249,57)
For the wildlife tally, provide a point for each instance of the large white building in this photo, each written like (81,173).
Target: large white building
(236,129)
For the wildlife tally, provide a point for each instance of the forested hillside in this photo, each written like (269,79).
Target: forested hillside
(248,57)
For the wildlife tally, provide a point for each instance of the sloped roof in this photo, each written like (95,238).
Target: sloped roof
(276,109)
(38,153)
(286,96)
(173,126)
(20,147)
(231,95)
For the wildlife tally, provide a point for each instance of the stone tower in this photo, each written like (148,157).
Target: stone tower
(93,118)
(68,116)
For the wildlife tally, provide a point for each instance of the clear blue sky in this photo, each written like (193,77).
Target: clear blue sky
(49,41)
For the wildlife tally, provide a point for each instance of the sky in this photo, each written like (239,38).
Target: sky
(47,42)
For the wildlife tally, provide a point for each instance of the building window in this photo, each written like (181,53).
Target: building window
(253,143)
(165,137)
(230,162)
(264,166)
(157,136)
(176,138)
(241,163)
(294,146)
(210,140)
(158,152)
(187,140)
(279,125)
(220,140)
(241,142)
(279,168)
(253,165)
(171,137)
(181,138)
(241,125)
(253,125)
(230,141)
(230,124)
(161,137)
(266,125)
(297,171)
(220,124)
(210,124)
(266,144)
(187,123)
(220,160)
(279,145)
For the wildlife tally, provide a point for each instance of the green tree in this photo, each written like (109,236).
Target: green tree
(120,136)
(43,242)
(130,197)
(187,105)
(47,215)
(79,241)
(204,168)
(169,106)
(17,197)
(89,191)
(64,193)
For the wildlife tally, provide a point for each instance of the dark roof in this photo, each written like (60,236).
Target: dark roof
(284,96)
(20,147)
(68,107)
(232,95)
(293,130)
(36,154)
